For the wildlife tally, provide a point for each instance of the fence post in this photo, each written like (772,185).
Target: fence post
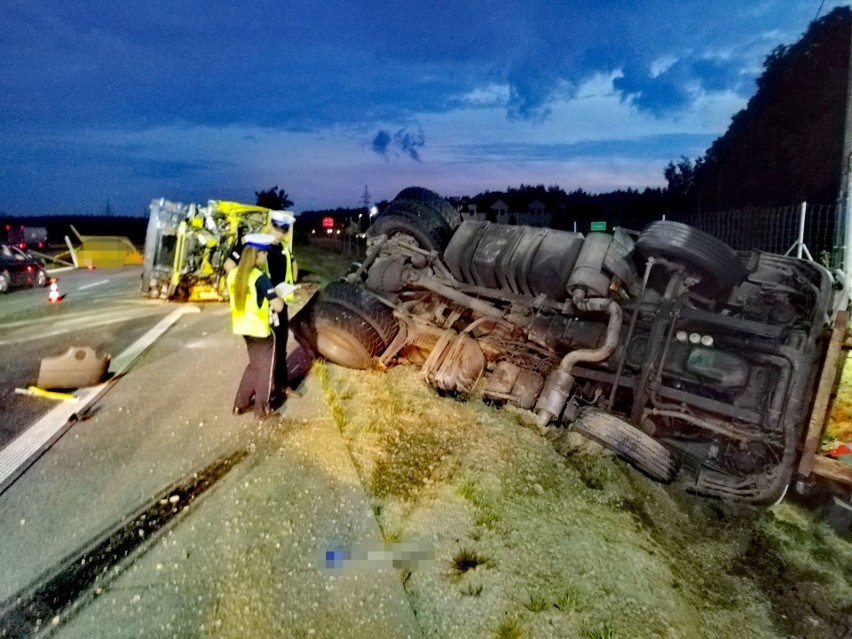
(800,241)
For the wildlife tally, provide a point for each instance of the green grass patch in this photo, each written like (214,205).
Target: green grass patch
(468,490)
(568,600)
(487,519)
(509,629)
(320,265)
(602,630)
(467,559)
(536,603)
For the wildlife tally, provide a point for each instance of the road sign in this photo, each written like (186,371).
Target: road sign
(598,226)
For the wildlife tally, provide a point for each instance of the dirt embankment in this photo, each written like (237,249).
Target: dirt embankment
(544,535)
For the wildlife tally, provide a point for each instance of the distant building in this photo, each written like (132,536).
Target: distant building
(500,212)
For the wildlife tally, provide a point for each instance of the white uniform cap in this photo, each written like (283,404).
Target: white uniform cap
(260,241)
(282,219)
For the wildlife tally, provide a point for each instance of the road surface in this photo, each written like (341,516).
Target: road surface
(159,513)
(102,308)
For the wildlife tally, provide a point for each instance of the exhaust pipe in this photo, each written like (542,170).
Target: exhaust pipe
(560,382)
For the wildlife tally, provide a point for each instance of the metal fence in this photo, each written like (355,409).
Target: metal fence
(349,245)
(816,232)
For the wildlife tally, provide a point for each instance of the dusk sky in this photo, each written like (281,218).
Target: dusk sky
(124,102)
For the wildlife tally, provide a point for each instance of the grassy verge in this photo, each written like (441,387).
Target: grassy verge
(533,543)
(318,265)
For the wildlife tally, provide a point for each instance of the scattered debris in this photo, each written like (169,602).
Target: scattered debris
(35,391)
(78,367)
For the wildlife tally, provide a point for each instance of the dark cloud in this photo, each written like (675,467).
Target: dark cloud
(659,95)
(404,141)
(530,90)
(140,65)
(381,142)
(674,89)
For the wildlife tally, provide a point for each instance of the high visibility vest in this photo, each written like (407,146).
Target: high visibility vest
(289,277)
(288,274)
(253,320)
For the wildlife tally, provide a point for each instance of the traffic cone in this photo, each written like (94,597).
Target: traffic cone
(53,297)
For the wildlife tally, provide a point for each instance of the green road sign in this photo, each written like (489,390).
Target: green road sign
(598,226)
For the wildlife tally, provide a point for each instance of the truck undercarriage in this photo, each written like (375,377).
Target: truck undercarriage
(693,362)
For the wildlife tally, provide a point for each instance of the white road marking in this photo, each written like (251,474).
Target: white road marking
(78,323)
(29,445)
(92,285)
(82,316)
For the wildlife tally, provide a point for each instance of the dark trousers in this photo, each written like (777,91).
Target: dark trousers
(257,381)
(281,332)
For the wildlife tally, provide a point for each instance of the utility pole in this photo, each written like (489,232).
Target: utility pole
(366,202)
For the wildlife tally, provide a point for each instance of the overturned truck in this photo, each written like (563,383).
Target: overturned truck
(688,359)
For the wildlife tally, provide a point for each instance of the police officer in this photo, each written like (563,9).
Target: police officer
(280,268)
(253,301)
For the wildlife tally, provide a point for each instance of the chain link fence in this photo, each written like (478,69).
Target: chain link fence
(815,232)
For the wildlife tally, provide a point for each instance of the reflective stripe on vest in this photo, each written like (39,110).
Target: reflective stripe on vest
(254,319)
(289,277)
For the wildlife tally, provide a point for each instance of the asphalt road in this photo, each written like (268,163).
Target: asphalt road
(242,508)
(167,417)
(101,308)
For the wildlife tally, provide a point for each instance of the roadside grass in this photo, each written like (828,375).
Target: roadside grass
(536,603)
(572,543)
(552,532)
(319,265)
(509,629)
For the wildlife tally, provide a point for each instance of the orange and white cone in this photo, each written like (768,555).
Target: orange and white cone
(53,297)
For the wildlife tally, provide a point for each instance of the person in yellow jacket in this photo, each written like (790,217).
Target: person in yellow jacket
(281,269)
(254,308)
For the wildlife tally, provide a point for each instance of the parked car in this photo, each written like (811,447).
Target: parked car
(18,268)
(693,362)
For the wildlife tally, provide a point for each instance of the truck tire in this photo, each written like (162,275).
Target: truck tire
(344,337)
(628,442)
(424,225)
(432,200)
(714,261)
(366,305)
